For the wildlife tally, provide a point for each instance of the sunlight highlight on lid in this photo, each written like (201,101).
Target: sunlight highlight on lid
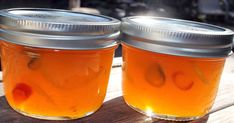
(145,20)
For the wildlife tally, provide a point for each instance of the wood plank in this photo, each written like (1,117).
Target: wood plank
(0,76)
(1,90)
(222,116)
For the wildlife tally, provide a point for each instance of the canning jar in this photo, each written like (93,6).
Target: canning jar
(56,63)
(171,67)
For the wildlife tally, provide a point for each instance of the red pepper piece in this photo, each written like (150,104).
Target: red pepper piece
(21,92)
(181,81)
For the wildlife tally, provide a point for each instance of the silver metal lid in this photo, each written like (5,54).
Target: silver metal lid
(177,37)
(59,29)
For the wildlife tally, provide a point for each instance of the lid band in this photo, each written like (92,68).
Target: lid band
(59,29)
(177,37)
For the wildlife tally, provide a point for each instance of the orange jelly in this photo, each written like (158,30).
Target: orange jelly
(172,67)
(56,63)
(56,83)
(166,84)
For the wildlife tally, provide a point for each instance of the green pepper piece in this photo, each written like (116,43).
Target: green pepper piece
(199,73)
(155,75)
(34,62)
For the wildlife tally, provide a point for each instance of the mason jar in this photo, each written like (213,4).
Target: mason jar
(56,63)
(171,67)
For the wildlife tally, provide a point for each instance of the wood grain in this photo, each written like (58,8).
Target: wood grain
(115,110)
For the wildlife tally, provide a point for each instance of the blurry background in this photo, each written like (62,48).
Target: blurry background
(219,12)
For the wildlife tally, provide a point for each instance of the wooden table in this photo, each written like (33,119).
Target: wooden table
(114,109)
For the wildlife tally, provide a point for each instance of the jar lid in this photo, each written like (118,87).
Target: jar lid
(60,29)
(177,37)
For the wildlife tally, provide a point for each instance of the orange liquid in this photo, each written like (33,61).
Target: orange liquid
(55,83)
(160,84)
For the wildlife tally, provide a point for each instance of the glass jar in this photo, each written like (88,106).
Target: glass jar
(56,63)
(171,68)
